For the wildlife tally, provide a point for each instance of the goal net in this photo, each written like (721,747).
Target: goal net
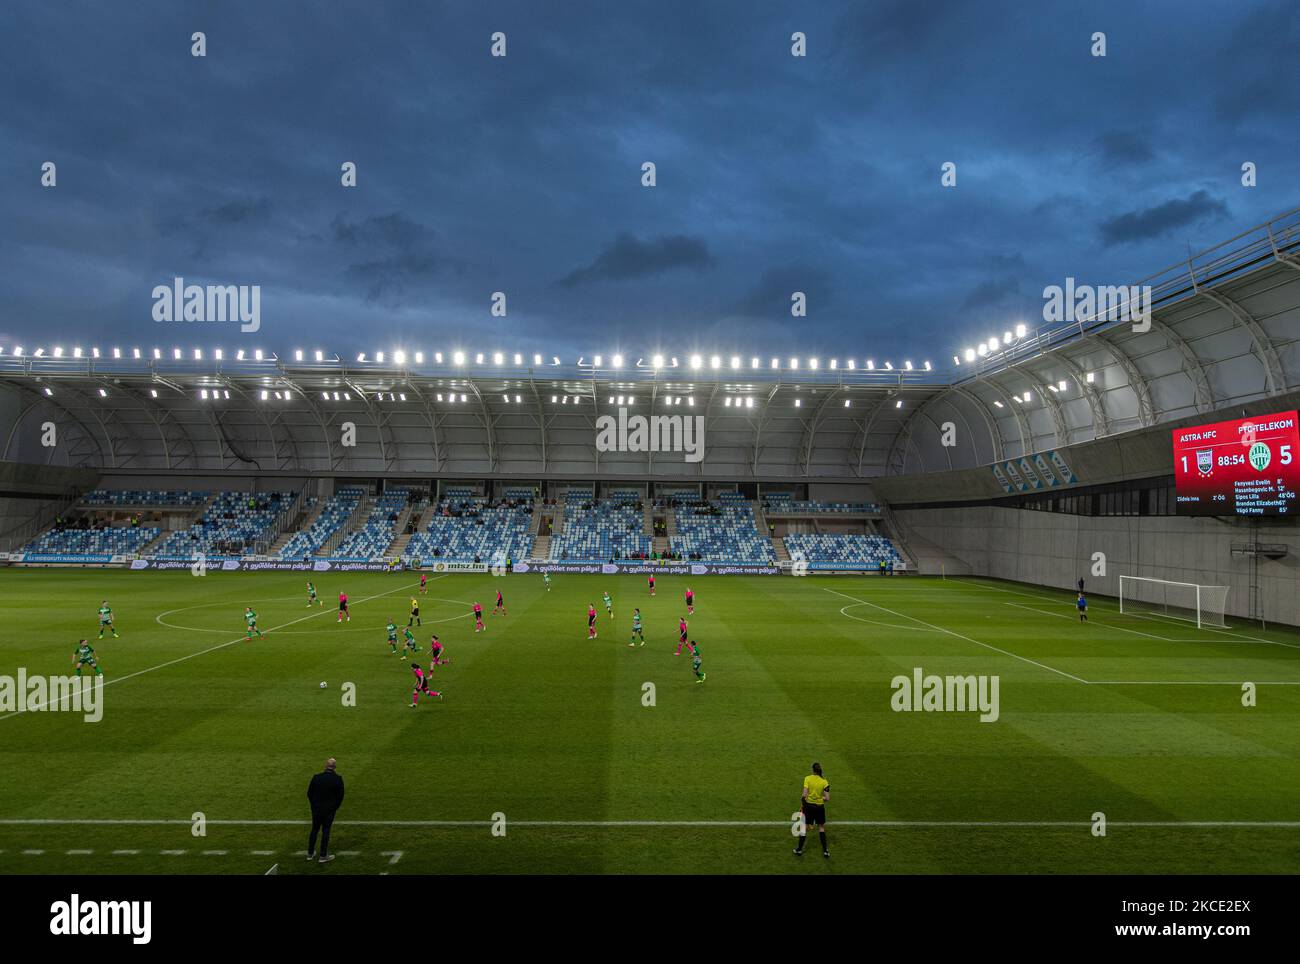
(1203,605)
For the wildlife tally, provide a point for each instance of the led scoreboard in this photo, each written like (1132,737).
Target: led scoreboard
(1244,467)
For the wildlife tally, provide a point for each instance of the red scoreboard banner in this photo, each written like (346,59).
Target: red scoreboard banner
(1244,467)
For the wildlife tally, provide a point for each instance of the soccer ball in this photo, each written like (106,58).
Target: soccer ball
(322,684)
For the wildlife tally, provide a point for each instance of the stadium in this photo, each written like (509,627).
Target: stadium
(1023,586)
(177,462)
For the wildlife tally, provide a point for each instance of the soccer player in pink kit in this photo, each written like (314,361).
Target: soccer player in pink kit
(681,637)
(343,608)
(435,653)
(478,618)
(421,686)
(652,585)
(690,601)
(501,605)
(591,620)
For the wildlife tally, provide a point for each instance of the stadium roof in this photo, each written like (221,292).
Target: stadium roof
(1223,331)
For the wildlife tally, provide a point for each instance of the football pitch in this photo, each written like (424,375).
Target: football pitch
(544,756)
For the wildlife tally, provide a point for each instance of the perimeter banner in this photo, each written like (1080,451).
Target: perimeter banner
(657,569)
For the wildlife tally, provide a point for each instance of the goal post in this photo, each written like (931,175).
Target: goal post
(1203,605)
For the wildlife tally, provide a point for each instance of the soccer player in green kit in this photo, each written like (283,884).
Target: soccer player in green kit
(546,579)
(250,618)
(636,629)
(311,595)
(609,605)
(392,635)
(106,620)
(84,655)
(410,644)
(696,661)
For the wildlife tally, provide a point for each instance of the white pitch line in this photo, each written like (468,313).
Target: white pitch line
(125,853)
(1193,682)
(1214,629)
(940,629)
(680,823)
(1167,639)
(877,622)
(1135,632)
(211,649)
(1114,606)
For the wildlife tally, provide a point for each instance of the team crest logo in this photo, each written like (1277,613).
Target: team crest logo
(1260,456)
(1205,462)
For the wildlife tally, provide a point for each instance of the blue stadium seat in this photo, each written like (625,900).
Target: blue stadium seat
(722,532)
(599,531)
(842,550)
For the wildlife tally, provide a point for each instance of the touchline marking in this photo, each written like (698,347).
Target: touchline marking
(1051,669)
(213,649)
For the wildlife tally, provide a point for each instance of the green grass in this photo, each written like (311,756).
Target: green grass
(543,725)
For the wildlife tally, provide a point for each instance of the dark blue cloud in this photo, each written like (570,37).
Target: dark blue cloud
(775,174)
(1160,220)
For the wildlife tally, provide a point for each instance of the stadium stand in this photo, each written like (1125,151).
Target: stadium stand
(336,511)
(101,541)
(374,537)
(473,530)
(229,528)
(600,531)
(843,550)
(723,531)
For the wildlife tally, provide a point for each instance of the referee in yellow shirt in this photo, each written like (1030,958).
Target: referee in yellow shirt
(816,793)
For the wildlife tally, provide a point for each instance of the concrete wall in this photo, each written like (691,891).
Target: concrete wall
(1055,549)
(1144,453)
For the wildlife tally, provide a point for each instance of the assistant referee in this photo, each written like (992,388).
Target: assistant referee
(816,793)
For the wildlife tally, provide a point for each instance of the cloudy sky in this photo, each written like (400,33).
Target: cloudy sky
(522,174)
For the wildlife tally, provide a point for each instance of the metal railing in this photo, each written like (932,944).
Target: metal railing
(1276,240)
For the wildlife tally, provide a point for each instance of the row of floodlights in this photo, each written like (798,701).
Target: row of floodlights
(992,345)
(498,359)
